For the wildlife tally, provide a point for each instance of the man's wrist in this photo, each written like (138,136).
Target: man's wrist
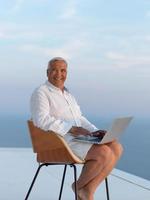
(72,130)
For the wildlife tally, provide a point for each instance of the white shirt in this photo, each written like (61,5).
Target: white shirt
(52,109)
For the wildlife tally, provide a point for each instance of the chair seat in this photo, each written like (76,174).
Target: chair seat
(60,155)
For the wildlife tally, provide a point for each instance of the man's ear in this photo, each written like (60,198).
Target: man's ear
(47,72)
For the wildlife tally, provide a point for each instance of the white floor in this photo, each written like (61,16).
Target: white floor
(19,165)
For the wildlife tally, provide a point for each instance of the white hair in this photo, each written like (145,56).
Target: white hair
(54,60)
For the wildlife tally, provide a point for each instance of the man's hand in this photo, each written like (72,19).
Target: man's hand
(79,131)
(99,133)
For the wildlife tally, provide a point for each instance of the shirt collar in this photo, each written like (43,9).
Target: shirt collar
(54,88)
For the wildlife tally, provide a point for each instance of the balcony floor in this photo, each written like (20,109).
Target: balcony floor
(18,166)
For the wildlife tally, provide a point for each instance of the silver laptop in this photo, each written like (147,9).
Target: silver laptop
(118,127)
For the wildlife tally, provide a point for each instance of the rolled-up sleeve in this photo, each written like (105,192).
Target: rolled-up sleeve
(87,125)
(83,120)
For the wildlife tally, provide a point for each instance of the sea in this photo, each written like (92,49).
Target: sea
(135,140)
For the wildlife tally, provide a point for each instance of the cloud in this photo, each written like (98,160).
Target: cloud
(11,7)
(125,61)
(147,38)
(6,30)
(17,6)
(115,56)
(35,49)
(2,35)
(147,14)
(67,51)
(69,11)
(19,31)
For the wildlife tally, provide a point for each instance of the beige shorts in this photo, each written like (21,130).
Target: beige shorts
(80,149)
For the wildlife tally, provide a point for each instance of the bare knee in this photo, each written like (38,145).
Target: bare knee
(105,151)
(100,153)
(120,149)
(116,148)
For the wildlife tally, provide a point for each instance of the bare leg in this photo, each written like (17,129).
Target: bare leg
(100,160)
(117,151)
(82,194)
(116,148)
(97,158)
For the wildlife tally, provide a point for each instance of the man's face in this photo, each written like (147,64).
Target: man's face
(57,74)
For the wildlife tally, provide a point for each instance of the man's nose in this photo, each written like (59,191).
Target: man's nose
(58,73)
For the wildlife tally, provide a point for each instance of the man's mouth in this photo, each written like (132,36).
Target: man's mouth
(58,79)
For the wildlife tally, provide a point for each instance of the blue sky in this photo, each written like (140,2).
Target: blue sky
(106,43)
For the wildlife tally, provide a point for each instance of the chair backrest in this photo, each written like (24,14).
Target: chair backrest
(50,147)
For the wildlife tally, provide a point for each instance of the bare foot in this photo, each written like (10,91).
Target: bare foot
(83,194)
(73,188)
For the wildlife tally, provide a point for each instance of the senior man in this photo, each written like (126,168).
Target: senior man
(54,108)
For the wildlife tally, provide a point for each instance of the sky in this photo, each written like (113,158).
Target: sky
(106,44)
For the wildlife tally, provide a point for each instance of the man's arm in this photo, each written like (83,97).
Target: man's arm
(79,131)
(87,125)
(42,118)
(93,130)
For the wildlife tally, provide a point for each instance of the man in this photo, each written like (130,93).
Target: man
(54,108)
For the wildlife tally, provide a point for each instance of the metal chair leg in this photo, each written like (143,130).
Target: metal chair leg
(63,178)
(33,181)
(62,182)
(75,181)
(107,189)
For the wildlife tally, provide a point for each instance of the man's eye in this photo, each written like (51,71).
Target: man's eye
(63,70)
